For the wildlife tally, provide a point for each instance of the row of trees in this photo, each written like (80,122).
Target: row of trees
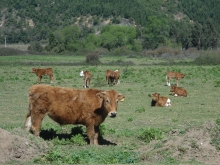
(158,33)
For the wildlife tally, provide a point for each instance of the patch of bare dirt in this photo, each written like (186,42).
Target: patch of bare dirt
(19,148)
(195,144)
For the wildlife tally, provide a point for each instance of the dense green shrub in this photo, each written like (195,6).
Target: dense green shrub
(92,58)
(35,47)
(150,134)
(208,58)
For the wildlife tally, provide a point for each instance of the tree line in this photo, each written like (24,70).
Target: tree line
(72,25)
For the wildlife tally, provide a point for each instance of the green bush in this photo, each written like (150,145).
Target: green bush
(140,110)
(78,140)
(92,58)
(35,47)
(150,134)
(208,58)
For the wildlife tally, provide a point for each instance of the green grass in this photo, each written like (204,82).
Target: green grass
(136,122)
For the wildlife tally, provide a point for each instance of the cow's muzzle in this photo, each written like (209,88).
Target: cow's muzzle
(112,114)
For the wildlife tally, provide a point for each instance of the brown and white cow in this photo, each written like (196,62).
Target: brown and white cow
(41,72)
(113,77)
(87,78)
(175,75)
(88,107)
(161,101)
(178,91)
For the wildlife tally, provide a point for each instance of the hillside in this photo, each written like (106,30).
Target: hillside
(189,23)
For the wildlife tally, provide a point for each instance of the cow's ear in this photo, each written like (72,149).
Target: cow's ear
(121,97)
(101,94)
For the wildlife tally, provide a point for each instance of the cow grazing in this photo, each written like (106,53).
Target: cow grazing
(112,77)
(88,107)
(161,101)
(178,91)
(87,78)
(175,75)
(41,72)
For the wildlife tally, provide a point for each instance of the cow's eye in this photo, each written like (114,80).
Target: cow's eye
(107,101)
(117,101)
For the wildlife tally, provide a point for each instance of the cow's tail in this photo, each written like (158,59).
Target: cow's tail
(166,77)
(28,122)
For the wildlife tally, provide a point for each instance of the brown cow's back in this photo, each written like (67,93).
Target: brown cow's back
(65,101)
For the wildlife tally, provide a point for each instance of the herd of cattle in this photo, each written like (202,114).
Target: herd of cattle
(88,107)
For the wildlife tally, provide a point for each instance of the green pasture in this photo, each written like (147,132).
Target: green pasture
(135,114)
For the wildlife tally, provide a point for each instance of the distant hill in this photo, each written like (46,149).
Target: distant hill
(33,20)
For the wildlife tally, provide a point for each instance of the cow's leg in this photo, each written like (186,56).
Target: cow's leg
(39,79)
(118,81)
(36,122)
(177,84)
(91,133)
(107,79)
(96,137)
(84,83)
(51,79)
(88,82)
(28,119)
(168,81)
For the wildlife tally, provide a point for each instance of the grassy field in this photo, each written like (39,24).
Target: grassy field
(135,115)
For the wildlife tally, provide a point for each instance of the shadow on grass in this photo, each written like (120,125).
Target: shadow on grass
(51,134)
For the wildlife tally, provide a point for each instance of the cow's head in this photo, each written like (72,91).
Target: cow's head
(34,70)
(155,96)
(110,101)
(81,73)
(172,88)
(182,75)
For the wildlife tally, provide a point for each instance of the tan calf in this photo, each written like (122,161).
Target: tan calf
(87,78)
(112,77)
(42,72)
(175,75)
(178,91)
(161,101)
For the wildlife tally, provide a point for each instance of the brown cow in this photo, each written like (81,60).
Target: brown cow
(87,78)
(41,72)
(113,77)
(175,75)
(178,91)
(88,107)
(161,101)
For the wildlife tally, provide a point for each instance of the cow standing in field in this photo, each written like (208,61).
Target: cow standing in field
(113,77)
(42,72)
(161,101)
(175,75)
(87,78)
(88,107)
(178,91)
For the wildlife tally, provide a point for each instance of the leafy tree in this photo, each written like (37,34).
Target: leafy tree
(197,36)
(116,36)
(155,33)
(92,42)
